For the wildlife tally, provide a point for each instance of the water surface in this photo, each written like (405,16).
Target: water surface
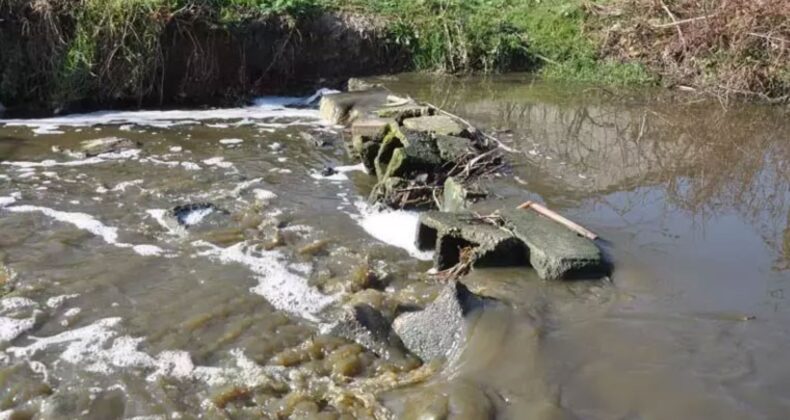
(112,311)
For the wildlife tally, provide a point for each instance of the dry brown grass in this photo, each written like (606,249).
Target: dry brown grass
(728,47)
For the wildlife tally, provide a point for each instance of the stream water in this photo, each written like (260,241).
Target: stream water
(111,309)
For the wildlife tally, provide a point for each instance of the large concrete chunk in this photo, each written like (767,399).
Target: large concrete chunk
(454,149)
(366,130)
(450,234)
(555,251)
(404,152)
(437,124)
(343,108)
(368,327)
(438,330)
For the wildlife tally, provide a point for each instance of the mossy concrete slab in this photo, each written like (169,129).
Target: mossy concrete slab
(437,124)
(365,130)
(454,149)
(404,151)
(555,251)
(449,233)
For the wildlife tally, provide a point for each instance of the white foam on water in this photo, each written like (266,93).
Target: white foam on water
(262,109)
(190,166)
(196,216)
(340,172)
(89,223)
(8,200)
(395,227)
(148,250)
(219,162)
(230,142)
(80,220)
(263,195)
(282,288)
(122,186)
(101,348)
(56,301)
(12,322)
(104,157)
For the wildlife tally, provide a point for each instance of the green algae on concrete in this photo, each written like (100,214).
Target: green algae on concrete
(555,251)
(450,233)
(437,124)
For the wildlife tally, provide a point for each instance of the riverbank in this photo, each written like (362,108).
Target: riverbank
(178,52)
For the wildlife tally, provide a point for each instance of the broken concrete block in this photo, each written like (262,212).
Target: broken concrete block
(555,251)
(454,196)
(367,326)
(438,330)
(368,129)
(343,108)
(454,149)
(450,234)
(437,124)
(405,151)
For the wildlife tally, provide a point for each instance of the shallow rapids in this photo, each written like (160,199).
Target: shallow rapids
(115,306)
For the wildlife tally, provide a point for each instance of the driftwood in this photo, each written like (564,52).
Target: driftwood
(559,219)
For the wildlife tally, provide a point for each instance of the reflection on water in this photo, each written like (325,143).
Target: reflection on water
(109,310)
(693,203)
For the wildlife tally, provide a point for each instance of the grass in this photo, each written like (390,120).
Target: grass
(66,51)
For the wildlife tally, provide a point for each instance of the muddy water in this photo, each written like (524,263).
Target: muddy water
(110,309)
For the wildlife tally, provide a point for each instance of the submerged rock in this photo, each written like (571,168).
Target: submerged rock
(107,145)
(437,331)
(555,251)
(368,327)
(456,235)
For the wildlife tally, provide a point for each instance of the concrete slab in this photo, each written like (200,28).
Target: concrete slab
(555,251)
(437,124)
(449,233)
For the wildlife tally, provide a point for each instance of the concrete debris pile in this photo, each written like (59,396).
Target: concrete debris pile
(424,158)
(412,149)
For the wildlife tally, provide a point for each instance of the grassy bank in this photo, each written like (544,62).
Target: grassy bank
(58,52)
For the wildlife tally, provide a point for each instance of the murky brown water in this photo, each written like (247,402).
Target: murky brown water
(111,311)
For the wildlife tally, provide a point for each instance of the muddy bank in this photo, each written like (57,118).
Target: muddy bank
(51,64)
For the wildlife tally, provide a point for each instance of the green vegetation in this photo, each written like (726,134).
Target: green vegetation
(66,51)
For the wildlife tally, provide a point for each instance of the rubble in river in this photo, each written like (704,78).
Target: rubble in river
(425,158)
(411,148)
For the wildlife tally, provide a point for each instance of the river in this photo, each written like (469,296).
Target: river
(111,309)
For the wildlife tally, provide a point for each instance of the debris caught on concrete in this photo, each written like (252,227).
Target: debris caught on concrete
(426,158)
